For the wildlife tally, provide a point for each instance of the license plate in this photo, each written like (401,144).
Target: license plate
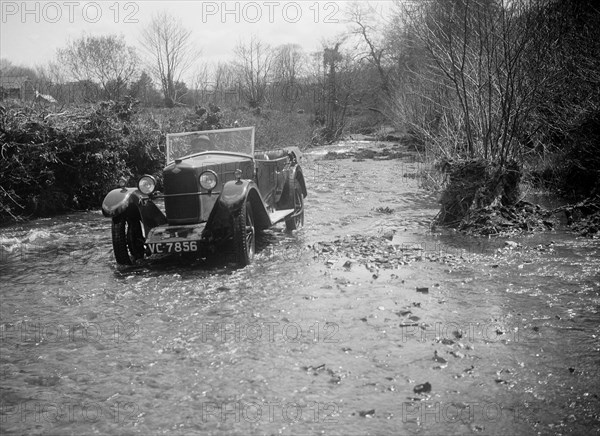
(172,247)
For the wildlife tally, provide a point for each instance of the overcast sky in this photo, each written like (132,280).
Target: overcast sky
(31,32)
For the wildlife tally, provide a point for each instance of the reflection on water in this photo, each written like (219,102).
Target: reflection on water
(506,337)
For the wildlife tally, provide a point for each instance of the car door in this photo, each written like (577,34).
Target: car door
(266,179)
(271,176)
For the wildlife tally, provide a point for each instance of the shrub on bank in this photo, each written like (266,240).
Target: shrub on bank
(475,185)
(484,199)
(56,162)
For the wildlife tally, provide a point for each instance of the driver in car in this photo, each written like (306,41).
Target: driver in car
(201,143)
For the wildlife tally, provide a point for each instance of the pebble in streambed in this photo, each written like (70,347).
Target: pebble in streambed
(422,388)
(443,363)
(376,252)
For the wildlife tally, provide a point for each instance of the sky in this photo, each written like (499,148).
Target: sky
(32,31)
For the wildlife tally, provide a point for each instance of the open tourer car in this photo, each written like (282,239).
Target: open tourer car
(218,192)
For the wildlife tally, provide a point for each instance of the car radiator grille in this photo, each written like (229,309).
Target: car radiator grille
(181,209)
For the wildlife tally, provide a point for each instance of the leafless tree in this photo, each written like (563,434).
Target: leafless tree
(223,77)
(200,82)
(253,63)
(106,60)
(366,25)
(288,63)
(51,72)
(289,71)
(341,86)
(478,71)
(169,45)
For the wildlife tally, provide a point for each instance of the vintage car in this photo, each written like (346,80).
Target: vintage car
(218,192)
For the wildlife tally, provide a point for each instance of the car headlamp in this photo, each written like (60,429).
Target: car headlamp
(208,180)
(147,184)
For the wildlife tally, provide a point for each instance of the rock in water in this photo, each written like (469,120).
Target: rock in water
(423,388)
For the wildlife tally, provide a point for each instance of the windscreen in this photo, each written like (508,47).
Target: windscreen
(238,140)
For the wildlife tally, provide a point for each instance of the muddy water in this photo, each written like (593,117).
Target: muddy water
(504,341)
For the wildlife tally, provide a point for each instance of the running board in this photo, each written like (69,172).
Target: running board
(280,215)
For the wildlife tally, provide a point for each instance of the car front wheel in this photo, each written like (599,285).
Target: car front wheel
(128,240)
(244,235)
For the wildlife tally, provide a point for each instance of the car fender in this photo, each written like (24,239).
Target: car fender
(296,173)
(130,201)
(286,201)
(117,201)
(232,198)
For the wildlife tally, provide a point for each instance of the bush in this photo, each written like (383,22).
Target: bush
(582,165)
(475,185)
(53,163)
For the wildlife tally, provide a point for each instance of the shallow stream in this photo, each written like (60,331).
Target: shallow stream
(498,340)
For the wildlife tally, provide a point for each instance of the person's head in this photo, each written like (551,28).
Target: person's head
(200,143)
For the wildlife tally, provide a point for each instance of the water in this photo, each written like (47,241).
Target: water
(295,345)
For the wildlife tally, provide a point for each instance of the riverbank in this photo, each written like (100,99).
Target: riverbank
(458,211)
